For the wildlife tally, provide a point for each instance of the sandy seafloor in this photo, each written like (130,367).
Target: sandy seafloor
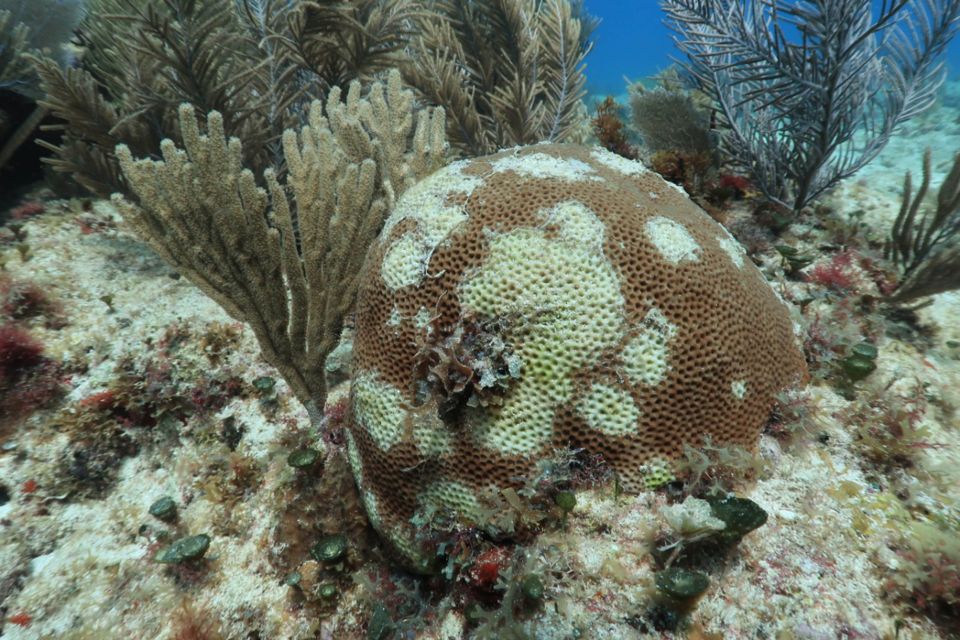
(78,565)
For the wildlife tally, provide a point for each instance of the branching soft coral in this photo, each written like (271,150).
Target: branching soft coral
(506,72)
(925,246)
(803,113)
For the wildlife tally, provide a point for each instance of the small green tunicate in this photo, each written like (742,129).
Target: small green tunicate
(953,344)
(303,458)
(740,515)
(328,591)
(191,548)
(264,384)
(164,509)
(857,367)
(532,587)
(293,579)
(566,500)
(865,350)
(794,259)
(330,548)
(682,584)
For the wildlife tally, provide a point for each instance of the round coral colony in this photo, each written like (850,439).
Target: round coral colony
(543,298)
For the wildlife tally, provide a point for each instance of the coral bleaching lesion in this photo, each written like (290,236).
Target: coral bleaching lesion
(672,240)
(427,205)
(619,163)
(732,248)
(646,357)
(610,410)
(542,165)
(573,291)
(380,409)
(739,389)
(577,223)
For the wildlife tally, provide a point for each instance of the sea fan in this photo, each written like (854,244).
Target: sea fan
(811,90)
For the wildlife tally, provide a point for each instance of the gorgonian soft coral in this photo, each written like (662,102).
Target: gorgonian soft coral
(810,92)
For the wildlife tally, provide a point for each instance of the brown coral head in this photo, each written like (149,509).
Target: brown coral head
(548,298)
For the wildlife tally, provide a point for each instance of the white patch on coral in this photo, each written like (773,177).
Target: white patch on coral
(672,240)
(526,273)
(739,389)
(454,497)
(405,261)
(656,472)
(732,248)
(542,165)
(379,408)
(619,163)
(422,319)
(676,187)
(577,223)
(646,357)
(353,457)
(609,410)
(449,180)
(373,510)
(395,318)
(432,437)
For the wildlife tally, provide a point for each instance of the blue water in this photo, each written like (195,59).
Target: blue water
(633,41)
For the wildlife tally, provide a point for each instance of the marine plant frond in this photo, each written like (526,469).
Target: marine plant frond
(73,95)
(13,45)
(88,165)
(516,108)
(810,92)
(344,40)
(284,258)
(285,87)
(926,246)
(195,43)
(564,62)
(449,86)
(92,127)
(588,24)
(670,120)
(519,64)
(257,62)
